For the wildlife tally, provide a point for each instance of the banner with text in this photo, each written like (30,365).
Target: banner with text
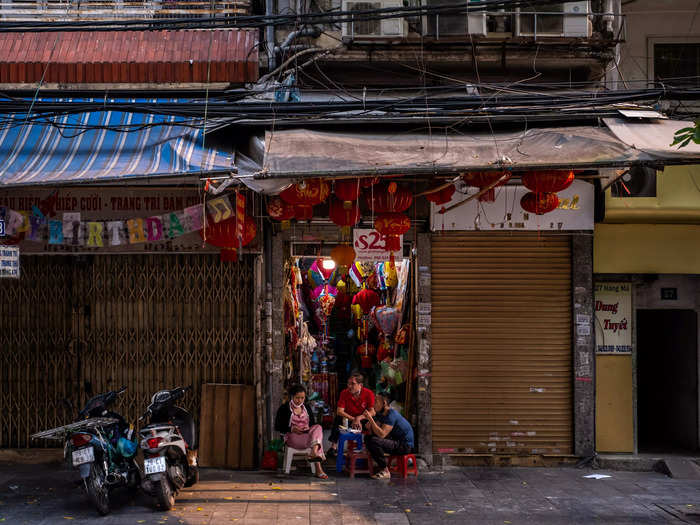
(613,314)
(109,219)
(575,211)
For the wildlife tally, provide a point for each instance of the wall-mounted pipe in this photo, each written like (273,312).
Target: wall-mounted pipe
(313,32)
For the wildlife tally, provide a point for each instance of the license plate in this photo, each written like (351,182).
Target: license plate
(154,465)
(83,455)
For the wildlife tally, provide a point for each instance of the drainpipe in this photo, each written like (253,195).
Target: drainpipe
(609,16)
(270,36)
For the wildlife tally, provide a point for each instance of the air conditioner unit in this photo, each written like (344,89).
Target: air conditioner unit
(384,28)
(572,22)
(454,24)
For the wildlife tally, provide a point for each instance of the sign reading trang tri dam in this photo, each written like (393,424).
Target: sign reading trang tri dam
(108,219)
(613,312)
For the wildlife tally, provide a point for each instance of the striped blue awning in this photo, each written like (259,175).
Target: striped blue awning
(104,145)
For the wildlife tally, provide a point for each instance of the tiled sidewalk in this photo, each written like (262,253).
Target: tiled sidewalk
(503,496)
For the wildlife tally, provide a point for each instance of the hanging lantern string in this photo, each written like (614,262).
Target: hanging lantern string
(481,192)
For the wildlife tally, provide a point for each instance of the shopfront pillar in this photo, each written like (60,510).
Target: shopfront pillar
(423,361)
(584,345)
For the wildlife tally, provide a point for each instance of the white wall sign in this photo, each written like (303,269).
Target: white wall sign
(613,312)
(369,246)
(9,262)
(575,211)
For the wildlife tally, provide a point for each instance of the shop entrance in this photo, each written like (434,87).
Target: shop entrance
(667,379)
(344,318)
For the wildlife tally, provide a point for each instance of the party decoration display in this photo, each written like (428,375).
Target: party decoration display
(386,319)
(482,179)
(343,255)
(343,216)
(441,196)
(280,211)
(548,181)
(539,203)
(366,299)
(223,235)
(305,195)
(392,226)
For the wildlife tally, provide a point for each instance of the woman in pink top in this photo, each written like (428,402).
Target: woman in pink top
(296,421)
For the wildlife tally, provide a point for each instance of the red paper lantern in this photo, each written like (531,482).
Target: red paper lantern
(281,211)
(539,203)
(347,191)
(368,182)
(482,179)
(381,200)
(342,216)
(303,213)
(367,299)
(223,235)
(441,196)
(548,181)
(392,225)
(307,193)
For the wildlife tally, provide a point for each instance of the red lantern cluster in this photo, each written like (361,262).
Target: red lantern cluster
(305,195)
(483,179)
(389,201)
(223,235)
(544,185)
(347,191)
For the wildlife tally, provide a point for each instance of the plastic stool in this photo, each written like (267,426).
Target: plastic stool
(289,454)
(342,438)
(353,456)
(401,466)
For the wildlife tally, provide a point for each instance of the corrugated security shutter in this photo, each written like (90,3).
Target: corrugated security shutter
(501,344)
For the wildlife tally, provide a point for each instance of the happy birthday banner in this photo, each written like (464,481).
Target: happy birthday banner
(111,219)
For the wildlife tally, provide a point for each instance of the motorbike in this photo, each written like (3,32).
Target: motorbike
(169,445)
(101,445)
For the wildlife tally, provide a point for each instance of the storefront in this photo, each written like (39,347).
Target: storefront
(505,324)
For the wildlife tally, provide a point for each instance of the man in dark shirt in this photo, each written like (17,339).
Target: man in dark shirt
(391,434)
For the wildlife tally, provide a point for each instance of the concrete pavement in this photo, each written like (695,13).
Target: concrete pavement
(48,494)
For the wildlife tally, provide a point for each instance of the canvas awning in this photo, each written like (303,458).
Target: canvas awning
(103,146)
(300,153)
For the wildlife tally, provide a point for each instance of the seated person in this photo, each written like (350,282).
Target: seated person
(391,434)
(353,402)
(296,421)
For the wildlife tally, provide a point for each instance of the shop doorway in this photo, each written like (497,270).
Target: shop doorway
(667,380)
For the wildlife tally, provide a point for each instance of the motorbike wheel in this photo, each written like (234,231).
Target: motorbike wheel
(165,498)
(96,487)
(194,476)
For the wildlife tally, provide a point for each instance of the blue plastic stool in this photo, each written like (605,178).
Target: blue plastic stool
(342,438)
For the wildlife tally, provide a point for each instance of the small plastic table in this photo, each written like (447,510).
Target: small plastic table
(342,438)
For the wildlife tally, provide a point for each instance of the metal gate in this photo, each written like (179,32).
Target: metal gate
(79,324)
(501,343)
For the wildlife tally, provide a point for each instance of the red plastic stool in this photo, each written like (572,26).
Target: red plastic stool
(351,464)
(402,466)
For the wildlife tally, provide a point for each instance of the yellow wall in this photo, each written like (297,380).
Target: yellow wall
(646,248)
(614,409)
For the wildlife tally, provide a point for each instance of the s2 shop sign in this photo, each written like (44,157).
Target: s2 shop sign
(369,246)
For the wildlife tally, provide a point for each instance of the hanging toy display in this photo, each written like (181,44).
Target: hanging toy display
(366,299)
(366,351)
(386,319)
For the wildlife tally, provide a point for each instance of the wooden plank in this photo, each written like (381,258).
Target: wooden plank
(247,427)
(205,437)
(219,425)
(233,441)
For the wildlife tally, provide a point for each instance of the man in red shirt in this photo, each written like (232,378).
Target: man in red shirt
(353,402)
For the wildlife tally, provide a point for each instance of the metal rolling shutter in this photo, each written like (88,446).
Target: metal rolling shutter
(501,344)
